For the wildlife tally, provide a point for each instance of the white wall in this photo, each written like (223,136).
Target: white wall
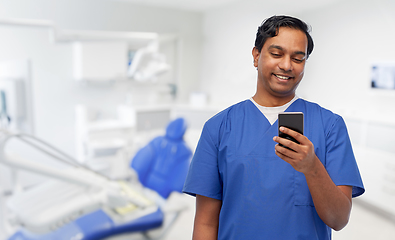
(349,37)
(228,74)
(54,90)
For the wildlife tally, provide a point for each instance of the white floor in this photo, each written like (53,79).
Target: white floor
(364,224)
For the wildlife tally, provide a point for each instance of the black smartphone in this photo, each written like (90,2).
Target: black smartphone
(291,120)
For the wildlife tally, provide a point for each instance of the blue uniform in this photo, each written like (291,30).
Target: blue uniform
(263,197)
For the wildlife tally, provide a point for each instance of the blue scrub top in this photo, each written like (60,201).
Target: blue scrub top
(263,197)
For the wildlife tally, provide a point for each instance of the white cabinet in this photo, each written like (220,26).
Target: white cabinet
(378,173)
(116,60)
(100,60)
(104,144)
(374,150)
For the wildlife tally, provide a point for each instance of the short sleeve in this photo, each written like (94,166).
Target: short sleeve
(203,176)
(340,161)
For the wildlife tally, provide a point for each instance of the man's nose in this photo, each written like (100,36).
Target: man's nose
(285,64)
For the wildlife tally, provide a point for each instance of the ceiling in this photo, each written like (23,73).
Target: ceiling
(203,5)
(192,5)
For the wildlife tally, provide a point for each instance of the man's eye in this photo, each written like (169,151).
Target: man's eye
(276,55)
(298,60)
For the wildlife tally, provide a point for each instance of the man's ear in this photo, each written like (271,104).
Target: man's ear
(255,55)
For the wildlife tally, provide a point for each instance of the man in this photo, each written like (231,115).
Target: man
(246,185)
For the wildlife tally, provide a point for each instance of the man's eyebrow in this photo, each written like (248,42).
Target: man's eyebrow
(300,53)
(276,47)
(282,49)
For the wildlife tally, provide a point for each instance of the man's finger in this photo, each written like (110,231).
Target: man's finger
(297,136)
(286,142)
(284,151)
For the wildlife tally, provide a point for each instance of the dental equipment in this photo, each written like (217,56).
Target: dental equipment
(82,204)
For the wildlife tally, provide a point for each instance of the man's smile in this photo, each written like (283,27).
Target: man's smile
(282,77)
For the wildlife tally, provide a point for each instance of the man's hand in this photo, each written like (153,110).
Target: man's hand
(332,203)
(303,158)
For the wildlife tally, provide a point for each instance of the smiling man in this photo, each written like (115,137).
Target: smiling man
(280,63)
(246,185)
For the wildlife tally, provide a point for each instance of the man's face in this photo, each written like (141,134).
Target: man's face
(281,62)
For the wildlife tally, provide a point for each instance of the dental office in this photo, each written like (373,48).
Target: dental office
(92,90)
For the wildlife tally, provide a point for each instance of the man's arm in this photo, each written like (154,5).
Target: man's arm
(206,218)
(333,203)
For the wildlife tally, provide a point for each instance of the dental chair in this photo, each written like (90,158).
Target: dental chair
(143,209)
(163,164)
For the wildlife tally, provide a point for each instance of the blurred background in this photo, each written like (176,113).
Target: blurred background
(99,79)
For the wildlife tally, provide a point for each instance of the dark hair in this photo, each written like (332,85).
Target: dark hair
(269,28)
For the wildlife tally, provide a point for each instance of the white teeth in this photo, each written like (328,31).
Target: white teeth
(282,77)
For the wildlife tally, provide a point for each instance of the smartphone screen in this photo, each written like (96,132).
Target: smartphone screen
(291,120)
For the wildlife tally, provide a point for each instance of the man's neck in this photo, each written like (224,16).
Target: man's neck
(272,101)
